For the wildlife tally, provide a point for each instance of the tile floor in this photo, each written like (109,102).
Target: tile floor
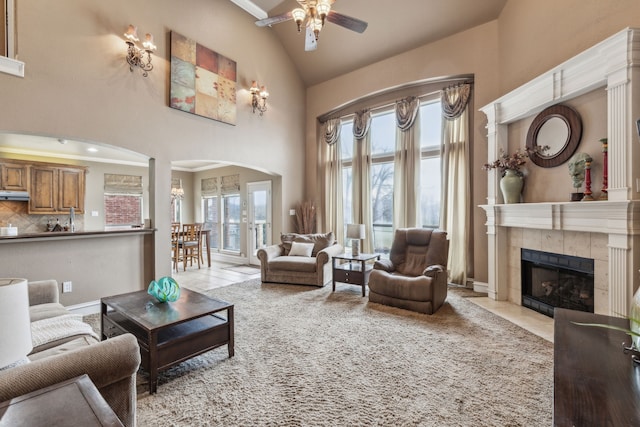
(224,274)
(526,318)
(218,275)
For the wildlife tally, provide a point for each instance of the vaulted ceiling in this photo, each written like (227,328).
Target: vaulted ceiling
(394,27)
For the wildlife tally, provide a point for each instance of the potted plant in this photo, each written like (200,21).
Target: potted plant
(509,165)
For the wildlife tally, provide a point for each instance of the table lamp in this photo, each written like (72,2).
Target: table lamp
(355,232)
(15,323)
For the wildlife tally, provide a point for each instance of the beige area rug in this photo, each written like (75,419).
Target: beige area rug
(305,356)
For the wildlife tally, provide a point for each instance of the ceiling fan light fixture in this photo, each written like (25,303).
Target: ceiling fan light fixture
(316,26)
(298,16)
(322,9)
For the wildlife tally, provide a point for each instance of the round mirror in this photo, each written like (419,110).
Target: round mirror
(554,133)
(559,128)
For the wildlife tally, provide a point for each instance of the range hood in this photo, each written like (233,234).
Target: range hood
(18,196)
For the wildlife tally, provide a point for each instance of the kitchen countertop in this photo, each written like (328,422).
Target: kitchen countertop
(61,235)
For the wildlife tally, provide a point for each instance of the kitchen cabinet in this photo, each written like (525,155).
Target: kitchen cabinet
(56,189)
(14,176)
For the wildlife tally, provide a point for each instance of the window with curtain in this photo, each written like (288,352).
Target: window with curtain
(383,147)
(211,221)
(176,210)
(383,130)
(231,222)
(430,171)
(346,154)
(122,200)
(209,192)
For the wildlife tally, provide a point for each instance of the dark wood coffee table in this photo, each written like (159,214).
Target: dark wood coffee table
(168,333)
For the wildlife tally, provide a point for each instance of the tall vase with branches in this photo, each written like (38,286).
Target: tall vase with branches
(305,221)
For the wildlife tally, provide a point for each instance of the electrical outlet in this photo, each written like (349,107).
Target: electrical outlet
(67,287)
(292,212)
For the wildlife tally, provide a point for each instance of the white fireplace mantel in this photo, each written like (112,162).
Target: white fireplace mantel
(614,65)
(620,218)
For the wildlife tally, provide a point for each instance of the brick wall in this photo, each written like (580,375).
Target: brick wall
(122,209)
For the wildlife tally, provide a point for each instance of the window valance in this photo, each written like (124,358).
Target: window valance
(122,184)
(406,112)
(455,100)
(361,124)
(209,186)
(332,129)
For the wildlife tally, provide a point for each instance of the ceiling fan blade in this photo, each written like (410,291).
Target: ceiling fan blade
(274,20)
(347,22)
(310,42)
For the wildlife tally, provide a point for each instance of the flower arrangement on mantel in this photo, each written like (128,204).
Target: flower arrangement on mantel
(513,161)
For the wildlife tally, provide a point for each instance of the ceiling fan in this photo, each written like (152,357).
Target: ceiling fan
(312,14)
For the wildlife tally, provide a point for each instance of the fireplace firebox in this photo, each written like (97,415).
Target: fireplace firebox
(554,280)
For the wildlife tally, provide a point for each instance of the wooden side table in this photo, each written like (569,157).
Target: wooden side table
(75,402)
(353,270)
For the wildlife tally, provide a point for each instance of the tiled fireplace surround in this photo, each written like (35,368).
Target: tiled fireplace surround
(606,231)
(585,245)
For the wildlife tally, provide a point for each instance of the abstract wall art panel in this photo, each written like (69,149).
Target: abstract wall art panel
(203,82)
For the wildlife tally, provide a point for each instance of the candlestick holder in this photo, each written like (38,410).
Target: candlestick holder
(587,182)
(605,148)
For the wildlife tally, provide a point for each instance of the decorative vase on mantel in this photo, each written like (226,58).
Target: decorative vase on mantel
(511,186)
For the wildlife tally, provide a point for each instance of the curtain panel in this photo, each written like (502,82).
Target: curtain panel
(333,200)
(361,177)
(406,172)
(455,203)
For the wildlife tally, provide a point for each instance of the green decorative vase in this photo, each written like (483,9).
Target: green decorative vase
(165,289)
(511,186)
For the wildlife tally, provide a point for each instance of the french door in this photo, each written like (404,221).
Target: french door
(259,218)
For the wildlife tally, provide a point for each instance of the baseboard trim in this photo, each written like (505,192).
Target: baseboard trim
(234,259)
(481,287)
(91,307)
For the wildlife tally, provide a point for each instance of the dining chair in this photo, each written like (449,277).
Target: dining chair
(175,245)
(191,243)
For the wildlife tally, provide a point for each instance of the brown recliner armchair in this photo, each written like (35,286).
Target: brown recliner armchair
(415,275)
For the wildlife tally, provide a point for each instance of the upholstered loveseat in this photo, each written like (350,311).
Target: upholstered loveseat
(56,357)
(280,264)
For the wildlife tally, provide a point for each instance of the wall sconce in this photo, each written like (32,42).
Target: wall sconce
(135,55)
(258,98)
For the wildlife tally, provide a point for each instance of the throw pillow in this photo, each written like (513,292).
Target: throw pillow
(286,239)
(301,249)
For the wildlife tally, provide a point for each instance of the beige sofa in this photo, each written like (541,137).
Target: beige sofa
(111,364)
(278,266)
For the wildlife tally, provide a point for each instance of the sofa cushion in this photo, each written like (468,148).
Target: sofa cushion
(53,331)
(293,263)
(301,249)
(320,241)
(46,311)
(64,347)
